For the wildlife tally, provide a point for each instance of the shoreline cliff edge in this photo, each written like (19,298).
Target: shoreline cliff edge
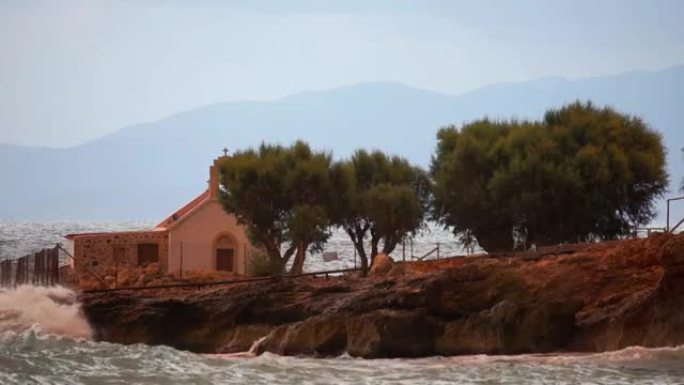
(600,297)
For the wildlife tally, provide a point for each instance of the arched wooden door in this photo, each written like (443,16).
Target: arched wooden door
(225,253)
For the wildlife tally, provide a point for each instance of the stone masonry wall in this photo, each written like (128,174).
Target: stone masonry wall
(95,254)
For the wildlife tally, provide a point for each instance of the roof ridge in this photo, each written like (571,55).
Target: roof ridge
(185,209)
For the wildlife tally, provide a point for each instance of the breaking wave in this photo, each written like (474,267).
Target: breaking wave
(49,310)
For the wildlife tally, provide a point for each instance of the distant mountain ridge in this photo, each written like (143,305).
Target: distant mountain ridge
(147,170)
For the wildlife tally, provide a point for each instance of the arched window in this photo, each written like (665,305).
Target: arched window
(225,253)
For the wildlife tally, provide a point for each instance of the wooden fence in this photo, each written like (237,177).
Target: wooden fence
(38,269)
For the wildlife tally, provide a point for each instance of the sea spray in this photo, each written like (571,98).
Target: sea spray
(251,353)
(254,349)
(52,310)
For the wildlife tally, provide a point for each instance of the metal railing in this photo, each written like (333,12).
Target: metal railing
(327,274)
(433,254)
(648,231)
(429,253)
(669,202)
(408,250)
(343,266)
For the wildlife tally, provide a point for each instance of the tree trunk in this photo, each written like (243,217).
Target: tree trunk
(362,256)
(288,254)
(375,239)
(271,247)
(389,245)
(357,233)
(298,263)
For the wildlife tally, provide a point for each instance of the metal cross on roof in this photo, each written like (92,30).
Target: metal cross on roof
(225,151)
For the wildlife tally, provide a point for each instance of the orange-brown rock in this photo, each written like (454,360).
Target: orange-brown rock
(382,265)
(577,298)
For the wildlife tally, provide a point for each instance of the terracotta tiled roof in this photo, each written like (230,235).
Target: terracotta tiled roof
(75,235)
(183,210)
(162,226)
(78,235)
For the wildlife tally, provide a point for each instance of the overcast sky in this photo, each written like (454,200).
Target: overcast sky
(71,71)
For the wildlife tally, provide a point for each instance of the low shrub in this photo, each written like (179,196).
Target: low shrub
(260,265)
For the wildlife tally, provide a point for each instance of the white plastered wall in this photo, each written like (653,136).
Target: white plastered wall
(197,234)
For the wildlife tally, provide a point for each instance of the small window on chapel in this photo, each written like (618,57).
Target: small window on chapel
(148,253)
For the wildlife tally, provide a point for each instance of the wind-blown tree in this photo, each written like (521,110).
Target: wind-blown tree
(464,163)
(382,198)
(580,174)
(280,194)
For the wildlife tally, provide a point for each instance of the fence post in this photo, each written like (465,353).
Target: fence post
(181,261)
(668,215)
(32,278)
(19,277)
(42,273)
(116,268)
(437,250)
(45,267)
(411,242)
(3,272)
(41,268)
(7,269)
(403,249)
(354,256)
(27,270)
(35,278)
(55,266)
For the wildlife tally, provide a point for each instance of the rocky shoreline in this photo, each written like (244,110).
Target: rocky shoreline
(600,297)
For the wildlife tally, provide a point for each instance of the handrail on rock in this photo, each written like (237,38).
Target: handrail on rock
(198,285)
(669,202)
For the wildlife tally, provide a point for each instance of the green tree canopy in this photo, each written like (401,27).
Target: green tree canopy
(281,195)
(381,197)
(581,173)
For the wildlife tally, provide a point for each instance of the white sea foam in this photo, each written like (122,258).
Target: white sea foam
(52,310)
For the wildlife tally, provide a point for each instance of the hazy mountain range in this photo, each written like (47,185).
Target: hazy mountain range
(145,171)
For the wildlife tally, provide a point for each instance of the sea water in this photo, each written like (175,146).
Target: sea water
(18,238)
(44,339)
(32,357)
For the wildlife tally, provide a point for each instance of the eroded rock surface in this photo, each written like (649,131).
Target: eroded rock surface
(382,265)
(594,298)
